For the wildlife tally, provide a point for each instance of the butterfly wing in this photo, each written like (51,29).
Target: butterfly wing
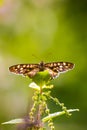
(29,70)
(55,68)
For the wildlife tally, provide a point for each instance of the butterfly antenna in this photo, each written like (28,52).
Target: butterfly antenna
(36,57)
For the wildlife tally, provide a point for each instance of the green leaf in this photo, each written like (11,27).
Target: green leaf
(42,78)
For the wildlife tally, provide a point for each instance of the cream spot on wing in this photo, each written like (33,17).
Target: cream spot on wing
(18,66)
(59,64)
(24,66)
(66,67)
(28,66)
(55,64)
(21,68)
(16,69)
(51,65)
(64,63)
(69,64)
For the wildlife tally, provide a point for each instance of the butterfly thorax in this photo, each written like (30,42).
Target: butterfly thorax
(41,66)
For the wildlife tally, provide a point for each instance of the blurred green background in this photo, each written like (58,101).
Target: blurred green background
(51,30)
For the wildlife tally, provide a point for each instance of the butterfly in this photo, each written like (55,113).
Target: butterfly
(53,68)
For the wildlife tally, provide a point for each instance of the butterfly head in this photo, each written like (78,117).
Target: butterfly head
(41,66)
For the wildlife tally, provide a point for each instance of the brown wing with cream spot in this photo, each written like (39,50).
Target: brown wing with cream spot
(29,70)
(55,68)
